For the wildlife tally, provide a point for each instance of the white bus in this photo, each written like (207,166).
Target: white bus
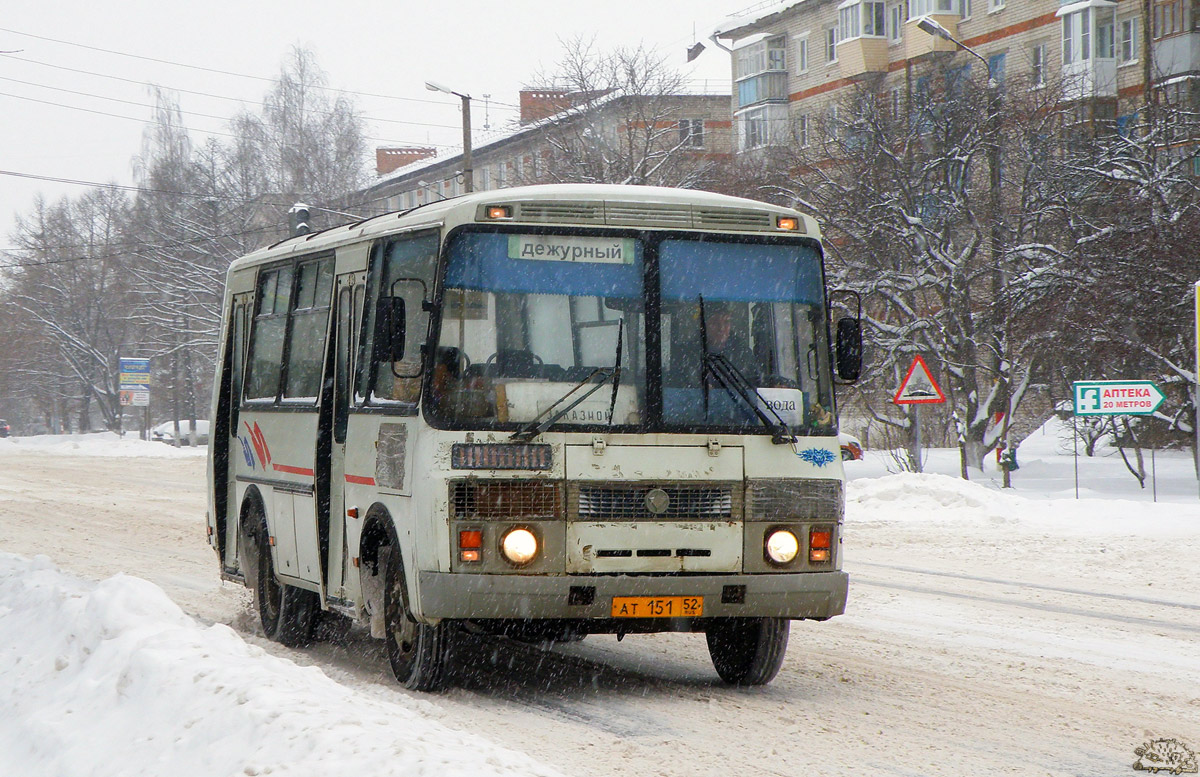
(543,412)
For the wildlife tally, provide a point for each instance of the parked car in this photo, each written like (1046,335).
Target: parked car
(851,447)
(5,429)
(165,432)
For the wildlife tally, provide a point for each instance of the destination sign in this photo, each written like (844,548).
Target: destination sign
(569,248)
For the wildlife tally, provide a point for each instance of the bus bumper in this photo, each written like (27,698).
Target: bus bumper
(463,596)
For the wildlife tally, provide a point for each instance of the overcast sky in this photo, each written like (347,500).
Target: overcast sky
(383,48)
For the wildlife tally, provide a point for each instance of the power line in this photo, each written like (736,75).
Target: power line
(142,246)
(207,132)
(183,91)
(142,189)
(217,70)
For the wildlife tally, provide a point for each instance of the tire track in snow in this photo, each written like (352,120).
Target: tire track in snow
(1059,609)
(1038,586)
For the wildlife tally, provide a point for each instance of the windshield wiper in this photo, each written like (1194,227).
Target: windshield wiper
(737,385)
(532,428)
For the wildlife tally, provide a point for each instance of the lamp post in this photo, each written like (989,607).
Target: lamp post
(468,171)
(996,233)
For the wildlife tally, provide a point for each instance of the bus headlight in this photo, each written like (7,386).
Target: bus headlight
(519,546)
(782,546)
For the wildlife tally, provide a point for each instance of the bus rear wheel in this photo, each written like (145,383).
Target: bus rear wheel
(419,653)
(747,651)
(288,614)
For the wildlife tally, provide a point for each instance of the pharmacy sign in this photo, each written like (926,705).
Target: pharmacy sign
(1117,397)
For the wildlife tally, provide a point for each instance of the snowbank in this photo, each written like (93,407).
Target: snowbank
(114,679)
(933,499)
(97,444)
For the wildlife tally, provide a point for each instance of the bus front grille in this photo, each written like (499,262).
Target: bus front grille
(635,502)
(482,500)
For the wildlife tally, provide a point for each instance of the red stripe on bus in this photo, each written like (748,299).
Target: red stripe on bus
(360,480)
(292,470)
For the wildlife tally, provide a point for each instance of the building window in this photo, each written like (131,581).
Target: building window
(966,9)
(1168,18)
(802,54)
(1077,37)
(995,5)
(831,39)
(762,71)
(832,124)
(802,130)
(762,56)
(995,65)
(1037,58)
(691,133)
(754,129)
(930,7)
(862,19)
(762,126)
(896,102)
(1104,35)
(1127,50)
(895,23)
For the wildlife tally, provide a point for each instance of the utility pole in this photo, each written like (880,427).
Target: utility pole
(468,171)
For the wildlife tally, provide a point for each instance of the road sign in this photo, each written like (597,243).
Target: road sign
(134,374)
(918,386)
(1116,397)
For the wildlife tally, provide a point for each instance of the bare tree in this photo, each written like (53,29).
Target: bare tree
(616,118)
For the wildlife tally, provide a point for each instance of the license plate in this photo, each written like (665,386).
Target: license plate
(657,606)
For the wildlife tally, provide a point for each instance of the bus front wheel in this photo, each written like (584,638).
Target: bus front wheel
(747,651)
(288,614)
(418,653)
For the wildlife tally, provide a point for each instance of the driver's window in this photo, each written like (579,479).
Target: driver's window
(403,269)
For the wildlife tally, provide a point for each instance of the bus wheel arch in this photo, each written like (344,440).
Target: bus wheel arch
(288,614)
(418,653)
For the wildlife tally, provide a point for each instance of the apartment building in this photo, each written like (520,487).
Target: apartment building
(555,125)
(794,62)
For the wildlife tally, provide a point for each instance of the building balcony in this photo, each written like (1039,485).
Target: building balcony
(918,43)
(1176,55)
(1096,77)
(859,56)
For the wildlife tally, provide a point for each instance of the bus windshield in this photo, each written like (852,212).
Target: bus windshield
(530,327)
(743,327)
(526,318)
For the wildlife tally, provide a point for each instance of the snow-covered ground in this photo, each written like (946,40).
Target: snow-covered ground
(988,632)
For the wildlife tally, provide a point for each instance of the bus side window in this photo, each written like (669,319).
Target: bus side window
(266,341)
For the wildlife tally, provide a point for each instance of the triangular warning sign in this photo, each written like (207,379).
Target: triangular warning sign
(918,386)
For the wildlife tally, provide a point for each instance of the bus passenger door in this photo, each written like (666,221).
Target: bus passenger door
(348,291)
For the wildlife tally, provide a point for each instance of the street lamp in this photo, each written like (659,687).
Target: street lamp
(468,171)
(932,27)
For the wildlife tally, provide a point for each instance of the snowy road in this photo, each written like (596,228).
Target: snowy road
(985,634)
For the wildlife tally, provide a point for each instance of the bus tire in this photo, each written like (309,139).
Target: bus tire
(747,651)
(288,614)
(419,653)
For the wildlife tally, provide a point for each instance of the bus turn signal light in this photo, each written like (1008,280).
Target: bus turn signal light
(790,223)
(470,545)
(499,212)
(819,541)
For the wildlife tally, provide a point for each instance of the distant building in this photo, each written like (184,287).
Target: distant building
(793,62)
(551,129)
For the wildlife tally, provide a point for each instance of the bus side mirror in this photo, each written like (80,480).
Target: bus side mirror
(390,329)
(849,348)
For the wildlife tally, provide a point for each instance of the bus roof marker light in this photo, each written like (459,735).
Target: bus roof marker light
(499,212)
(788,223)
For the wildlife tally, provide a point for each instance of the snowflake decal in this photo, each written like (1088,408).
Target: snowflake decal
(818,457)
